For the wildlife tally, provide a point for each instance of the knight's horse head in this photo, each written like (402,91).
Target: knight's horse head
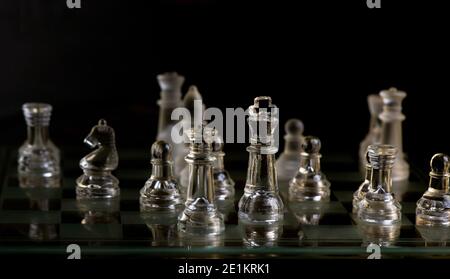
(101,135)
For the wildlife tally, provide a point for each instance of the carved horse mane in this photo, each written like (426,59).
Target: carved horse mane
(105,157)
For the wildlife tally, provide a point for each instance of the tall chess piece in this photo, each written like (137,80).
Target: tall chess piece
(261,201)
(288,163)
(170,84)
(379,204)
(375,103)
(201,216)
(433,208)
(359,194)
(38,157)
(97,180)
(310,184)
(160,192)
(223,183)
(391,129)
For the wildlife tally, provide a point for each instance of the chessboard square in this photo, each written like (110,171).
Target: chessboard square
(344,196)
(36,194)
(91,231)
(129,205)
(136,232)
(34,205)
(69,205)
(131,217)
(409,232)
(408,207)
(30,217)
(326,233)
(335,219)
(69,193)
(73,217)
(129,194)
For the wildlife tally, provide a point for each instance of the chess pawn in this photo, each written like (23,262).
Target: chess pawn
(170,84)
(200,216)
(359,194)
(261,201)
(160,192)
(223,183)
(391,129)
(375,103)
(288,163)
(310,184)
(97,180)
(38,157)
(379,204)
(433,208)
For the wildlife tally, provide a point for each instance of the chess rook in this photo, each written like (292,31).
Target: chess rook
(261,201)
(433,208)
(391,129)
(200,216)
(38,157)
(359,194)
(97,180)
(288,163)
(379,204)
(310,184)
(160,192)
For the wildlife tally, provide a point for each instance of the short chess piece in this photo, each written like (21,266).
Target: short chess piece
(201,216)
(359,194)
(310,184)
(433,208)
(38,157)
(391,129)
(379,205)
(97,180)
(261,201)
(160,192)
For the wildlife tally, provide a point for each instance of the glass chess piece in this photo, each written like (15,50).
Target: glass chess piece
(391,129)
(163,226)
(261,201)
(379,204)
(308,212)
(433,208)
(97,180)
(375,103)
(42,226)
(170,99)
(359,194)
(257,234)
(310,184)
(288,163)
(223,183)
(201,216)
(160,192)
(434,236)
(38,157)
(382,235)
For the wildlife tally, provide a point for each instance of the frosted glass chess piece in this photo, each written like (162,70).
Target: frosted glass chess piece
(38,157)
(433,208)
(359,194)
(288,163)
(379,205)
(375,103)
(310,184)
(170,84)
(97,180)
(261,201)
(160,192)
(201,216)
(391,129)
(163,226)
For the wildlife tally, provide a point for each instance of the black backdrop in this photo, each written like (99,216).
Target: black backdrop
(317,60)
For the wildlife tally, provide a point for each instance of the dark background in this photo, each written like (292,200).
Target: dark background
(318,60)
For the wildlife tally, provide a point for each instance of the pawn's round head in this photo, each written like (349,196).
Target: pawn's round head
(439,163)
(294,127)
(161,151)
(311,145)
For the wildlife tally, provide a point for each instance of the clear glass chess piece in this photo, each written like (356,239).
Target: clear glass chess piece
(42,227)
(38,157)
(288,163)
(163,226)
(381,235)
(160,192)
(391,129)
(433,208)
(201,216)
(97,180)
(310,184)
(359,194)
(308,212)
(379,204)
(223,183)
(257,234)
(375,104)
(261,201)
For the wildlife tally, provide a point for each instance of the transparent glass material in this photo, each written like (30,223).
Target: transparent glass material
(433,208)
(391,129)
(223,183)
(257,234)
(97,180)
(382,235)
(160,192)
(261,201)
(379,204)
(360,193)
(201,216)
(38,157)
(310,184)
(163,227)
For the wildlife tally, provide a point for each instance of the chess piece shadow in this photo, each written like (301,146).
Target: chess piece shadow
(163,226)
(97,213)
(257,234)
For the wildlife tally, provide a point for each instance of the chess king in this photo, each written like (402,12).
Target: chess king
(97,180)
